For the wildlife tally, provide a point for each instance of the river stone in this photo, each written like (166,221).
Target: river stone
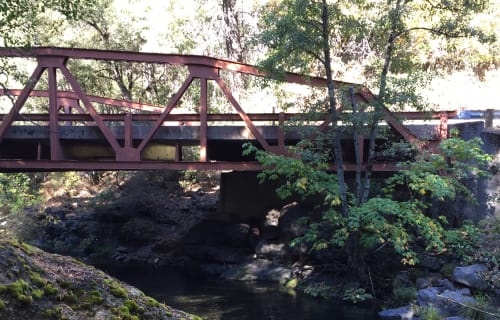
(272,218)
(405,313)
(259,270)
(288,225)
(471,276)
(270,250)
(445,283)
(423,282)
(445,301)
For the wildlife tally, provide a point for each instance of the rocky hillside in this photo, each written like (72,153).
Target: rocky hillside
(38,285)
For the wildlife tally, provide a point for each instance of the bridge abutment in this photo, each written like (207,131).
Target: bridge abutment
(243,197)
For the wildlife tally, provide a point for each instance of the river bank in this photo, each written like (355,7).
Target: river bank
(153,219)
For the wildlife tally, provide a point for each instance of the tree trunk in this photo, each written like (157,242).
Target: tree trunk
(379,103)
(353,248)
(336,145)
(357,146)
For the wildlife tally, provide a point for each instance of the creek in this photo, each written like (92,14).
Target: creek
(234,300)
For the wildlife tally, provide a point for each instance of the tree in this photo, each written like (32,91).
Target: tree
(20,18)
(317,36)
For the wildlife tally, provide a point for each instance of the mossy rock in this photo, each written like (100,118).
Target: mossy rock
(45,286)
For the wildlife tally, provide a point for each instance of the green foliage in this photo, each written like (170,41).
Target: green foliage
(480,310)
(429,313)
(488,250)
(292,283)
(123,313)
(463,241)
(319,290)
(404,295)
(356,295)
(37,293)
(133,307)
(387,218)
(36,279)
(25,15)
(50,290)
(152,302)
(54,313)
(17,191)
(95,297)
(21,291)
(116,289)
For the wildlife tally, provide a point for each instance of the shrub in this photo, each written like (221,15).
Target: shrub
(403,295)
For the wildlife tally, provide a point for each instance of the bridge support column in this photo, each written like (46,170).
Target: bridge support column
(489,114)
(242,196)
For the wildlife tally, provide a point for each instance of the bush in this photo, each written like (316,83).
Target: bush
(404,295)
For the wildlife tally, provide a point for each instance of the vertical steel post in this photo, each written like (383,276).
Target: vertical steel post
(127,123)
(281,133)
(55,146)
(203,119)
(443,125)
(178,152)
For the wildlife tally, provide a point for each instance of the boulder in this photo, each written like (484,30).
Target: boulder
(423,282)
(271,250)
(471,276)
(272,218)
(259,270)
(446,284)
(405,313)
(447,301)
(288,222)
(429,262)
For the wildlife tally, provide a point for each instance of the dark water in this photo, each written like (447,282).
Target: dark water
(229,300)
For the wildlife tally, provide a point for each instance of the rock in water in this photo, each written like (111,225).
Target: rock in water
(405,313)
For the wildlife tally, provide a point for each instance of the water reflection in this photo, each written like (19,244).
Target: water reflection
(224,300)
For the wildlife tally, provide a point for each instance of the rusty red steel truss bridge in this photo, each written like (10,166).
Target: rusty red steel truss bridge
(73,135)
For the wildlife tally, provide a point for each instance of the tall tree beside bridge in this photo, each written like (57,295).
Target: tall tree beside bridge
(326,38)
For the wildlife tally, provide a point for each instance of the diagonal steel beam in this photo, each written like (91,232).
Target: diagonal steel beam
(92,112)
(171,104)
(243,115)
(23,96)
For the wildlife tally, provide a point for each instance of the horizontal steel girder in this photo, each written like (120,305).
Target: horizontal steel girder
(51,165)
